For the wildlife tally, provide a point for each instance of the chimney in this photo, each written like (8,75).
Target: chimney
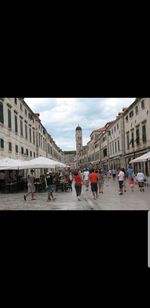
(37,115)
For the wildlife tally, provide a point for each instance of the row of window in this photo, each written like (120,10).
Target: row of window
(31,134)
(30,116)
(21,128)
(114,147)
(113,130)
(131,113)
(9,116)
(22,150)
(136,139)
(91,158)
(24,130)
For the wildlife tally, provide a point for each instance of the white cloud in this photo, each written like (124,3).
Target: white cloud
(60,116)
(36,103)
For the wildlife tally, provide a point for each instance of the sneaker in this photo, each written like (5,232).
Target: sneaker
(33,199)
(25,197)
(79,199)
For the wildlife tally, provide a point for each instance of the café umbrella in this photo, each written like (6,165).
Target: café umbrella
(41,162)
(11,164)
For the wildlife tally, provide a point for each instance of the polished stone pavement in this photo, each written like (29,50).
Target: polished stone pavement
(110,200)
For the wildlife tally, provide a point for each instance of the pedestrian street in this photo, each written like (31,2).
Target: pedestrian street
(109,200)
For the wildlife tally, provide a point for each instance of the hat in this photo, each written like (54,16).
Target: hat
(47,172)
(50,171)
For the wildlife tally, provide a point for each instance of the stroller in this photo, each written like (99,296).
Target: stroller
(68,184)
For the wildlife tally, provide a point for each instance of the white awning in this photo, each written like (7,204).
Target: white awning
(11,164)
(142,158)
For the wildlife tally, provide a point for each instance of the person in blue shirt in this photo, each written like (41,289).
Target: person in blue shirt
(129,172)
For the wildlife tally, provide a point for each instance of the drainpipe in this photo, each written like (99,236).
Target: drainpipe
(37,147)
(108,151)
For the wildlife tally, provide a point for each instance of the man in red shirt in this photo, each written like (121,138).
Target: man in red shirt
(94,179)
(78,184)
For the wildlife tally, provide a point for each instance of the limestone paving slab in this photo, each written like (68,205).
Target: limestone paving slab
(109,200)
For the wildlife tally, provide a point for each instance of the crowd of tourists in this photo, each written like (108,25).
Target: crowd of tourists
(49,182)
(92,179)
(96,178)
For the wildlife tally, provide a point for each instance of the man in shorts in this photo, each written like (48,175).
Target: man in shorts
(49,184)
(31,186)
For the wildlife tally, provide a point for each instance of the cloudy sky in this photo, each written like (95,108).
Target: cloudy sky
(61,116)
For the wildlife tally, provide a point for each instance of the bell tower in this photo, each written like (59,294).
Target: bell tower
(78,142)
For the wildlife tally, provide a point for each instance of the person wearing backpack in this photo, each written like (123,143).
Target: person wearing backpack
(49,185)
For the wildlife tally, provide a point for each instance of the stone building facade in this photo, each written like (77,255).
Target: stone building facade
(22,135)
(83,157)
(137,132)
(69,158)
(121,140)
(116,145)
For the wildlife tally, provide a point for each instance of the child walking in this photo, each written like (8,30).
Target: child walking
(132,184)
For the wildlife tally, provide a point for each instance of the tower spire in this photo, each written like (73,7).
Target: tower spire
(78,142)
